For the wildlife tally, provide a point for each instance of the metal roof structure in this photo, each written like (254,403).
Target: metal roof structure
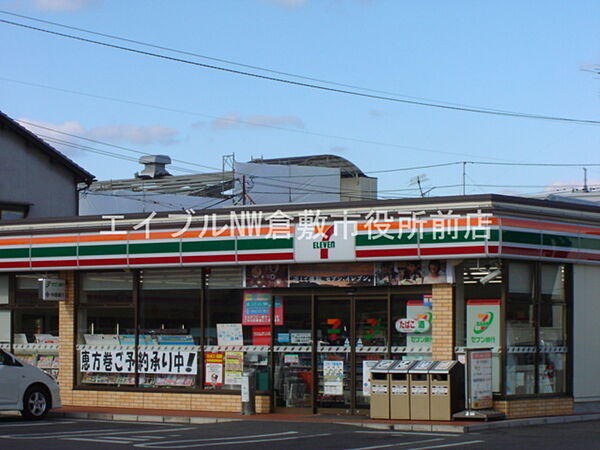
(347,168)
(38,143)
(216,183)
(199,185)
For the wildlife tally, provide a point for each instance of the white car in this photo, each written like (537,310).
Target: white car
(26,388)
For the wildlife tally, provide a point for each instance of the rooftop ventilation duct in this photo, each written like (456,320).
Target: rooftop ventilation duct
(154,167)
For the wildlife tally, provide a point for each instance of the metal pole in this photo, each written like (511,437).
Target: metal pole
(464,175)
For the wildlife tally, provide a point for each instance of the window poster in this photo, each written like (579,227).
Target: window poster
(256,308)
(483,323)
(267,276)
(396,273)
(333,377)
(234,366)
(149,361)
(230,334)
(213,364)
(334,275)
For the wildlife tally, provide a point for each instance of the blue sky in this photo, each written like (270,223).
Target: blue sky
(510,55)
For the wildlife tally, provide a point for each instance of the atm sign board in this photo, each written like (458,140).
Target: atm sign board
(52,289)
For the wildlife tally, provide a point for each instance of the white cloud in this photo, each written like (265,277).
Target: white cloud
(140,135)
(226,122)
(130,134)
(234,120)
(289,3)
(568,186)
(62,5)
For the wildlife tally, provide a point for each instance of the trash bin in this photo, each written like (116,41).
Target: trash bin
(380,389)
(447,387)
(248,388)
(400,390)
(419,390)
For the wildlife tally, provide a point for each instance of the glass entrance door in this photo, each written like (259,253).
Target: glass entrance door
(351,334)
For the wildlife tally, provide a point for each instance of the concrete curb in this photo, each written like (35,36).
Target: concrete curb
(141,418)
(476,427)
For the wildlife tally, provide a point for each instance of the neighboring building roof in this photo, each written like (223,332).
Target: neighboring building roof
(199,185)
(347,168)
(35,141)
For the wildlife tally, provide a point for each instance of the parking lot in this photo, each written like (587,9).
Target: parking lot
(97,434)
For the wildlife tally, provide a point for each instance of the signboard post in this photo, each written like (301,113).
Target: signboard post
(478,386)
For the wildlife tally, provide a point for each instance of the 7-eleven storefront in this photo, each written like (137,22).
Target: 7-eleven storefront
(308,304)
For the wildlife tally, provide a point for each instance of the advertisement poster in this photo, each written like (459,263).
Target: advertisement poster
(234,366)
(261,335)
(256,309)
(332,275)
(390,273)
(149,362)
(230,334)
(367,366)
(416,310)
(213,363)
(333,377)
(483,323)
(267,276)
(480,382)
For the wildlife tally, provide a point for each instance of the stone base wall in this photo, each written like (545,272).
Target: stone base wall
(515,409)
(162,401)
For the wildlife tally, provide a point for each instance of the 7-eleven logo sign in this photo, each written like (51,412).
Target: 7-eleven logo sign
(328,243)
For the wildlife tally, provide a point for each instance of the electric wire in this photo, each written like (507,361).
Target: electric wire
(235,63)
(304,84)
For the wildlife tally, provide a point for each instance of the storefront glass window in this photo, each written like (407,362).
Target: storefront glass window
(478,310)
(35,332)
(106,328)
(371,342)
(520,330)
(417,308)
(552,341)
(237,341)
(536,329)
(169,329)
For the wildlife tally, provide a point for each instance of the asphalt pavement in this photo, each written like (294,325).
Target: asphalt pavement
(84,434)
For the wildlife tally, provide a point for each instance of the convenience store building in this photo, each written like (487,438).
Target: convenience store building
(309,296)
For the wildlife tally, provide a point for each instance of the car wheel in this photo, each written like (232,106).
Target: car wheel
(36,403)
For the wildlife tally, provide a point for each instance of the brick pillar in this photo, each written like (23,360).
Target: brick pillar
(442,345)
(66,330)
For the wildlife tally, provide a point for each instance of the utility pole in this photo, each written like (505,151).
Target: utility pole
(464,176)
(585,185)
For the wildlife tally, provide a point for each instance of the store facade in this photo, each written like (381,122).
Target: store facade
(167,311)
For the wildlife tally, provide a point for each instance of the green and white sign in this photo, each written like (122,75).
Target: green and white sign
(483,323)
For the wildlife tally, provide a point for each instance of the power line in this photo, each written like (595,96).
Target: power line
(240,121)
(235,63)
(304,84)
(54,130)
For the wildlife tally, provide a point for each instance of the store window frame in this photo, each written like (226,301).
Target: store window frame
(537,301)
(12,307)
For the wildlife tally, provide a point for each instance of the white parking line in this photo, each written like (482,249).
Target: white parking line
(236,440)
(397,444)
(455,444)
(33,424)
(92,433)
(103,441)
(416,433)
